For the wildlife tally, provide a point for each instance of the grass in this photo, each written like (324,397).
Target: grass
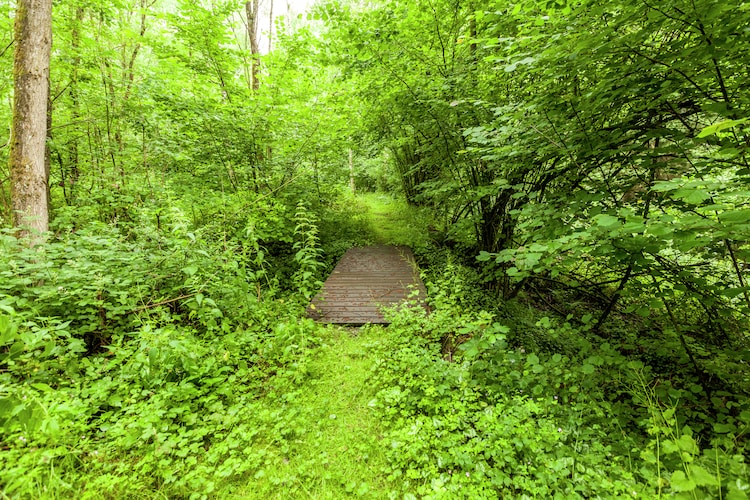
(392,221)
(337,453)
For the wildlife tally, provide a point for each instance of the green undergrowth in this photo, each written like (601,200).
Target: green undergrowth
(148,358)
(174,360)
(278,413)
(169,357)
(471,411)
(162,411)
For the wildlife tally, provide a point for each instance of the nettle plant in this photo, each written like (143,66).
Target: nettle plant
(162,408)
(679,461)
(135,363)
(308,254)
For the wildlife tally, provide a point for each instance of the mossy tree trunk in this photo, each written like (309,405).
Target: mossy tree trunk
(29,175)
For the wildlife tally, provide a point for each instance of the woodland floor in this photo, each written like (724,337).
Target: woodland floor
(338,454)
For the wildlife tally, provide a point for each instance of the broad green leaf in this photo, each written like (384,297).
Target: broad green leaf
(718,127)
(701,476)
(740,215)
(606,220)
(687,443)
(680,482)
(691,195)
(720,428)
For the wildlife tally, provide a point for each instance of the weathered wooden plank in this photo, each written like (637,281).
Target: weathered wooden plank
(365,280)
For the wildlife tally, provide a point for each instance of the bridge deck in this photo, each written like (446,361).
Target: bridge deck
(365,280)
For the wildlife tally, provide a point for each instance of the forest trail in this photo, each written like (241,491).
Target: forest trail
(337,452)
(391,221)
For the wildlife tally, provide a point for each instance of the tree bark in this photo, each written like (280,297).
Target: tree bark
(251,10)
(270,27)
(351,172)
(29,178)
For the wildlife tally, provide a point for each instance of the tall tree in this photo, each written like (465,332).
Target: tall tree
(270,26)
(251,8)
(29,176)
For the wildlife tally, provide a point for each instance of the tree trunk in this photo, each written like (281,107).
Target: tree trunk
(29,179)
(251,9)
(351,171)
(270,27)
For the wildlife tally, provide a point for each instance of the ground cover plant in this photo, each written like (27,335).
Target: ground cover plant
(145,377)
(474,411)
(211,396)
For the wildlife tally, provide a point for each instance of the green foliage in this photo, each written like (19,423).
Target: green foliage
(343,224)
(501,420)
(627,156)
(165,411)
(453,434)
(168,397)
(676,463)
(134,359)
(393,222)
(587,160)
(308,253)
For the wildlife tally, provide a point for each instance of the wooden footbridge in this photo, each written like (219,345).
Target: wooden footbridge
(365,280)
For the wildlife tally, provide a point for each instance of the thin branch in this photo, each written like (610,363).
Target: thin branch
(163,302)
(8,47)
(678,71)
(62,91)
(668,16)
